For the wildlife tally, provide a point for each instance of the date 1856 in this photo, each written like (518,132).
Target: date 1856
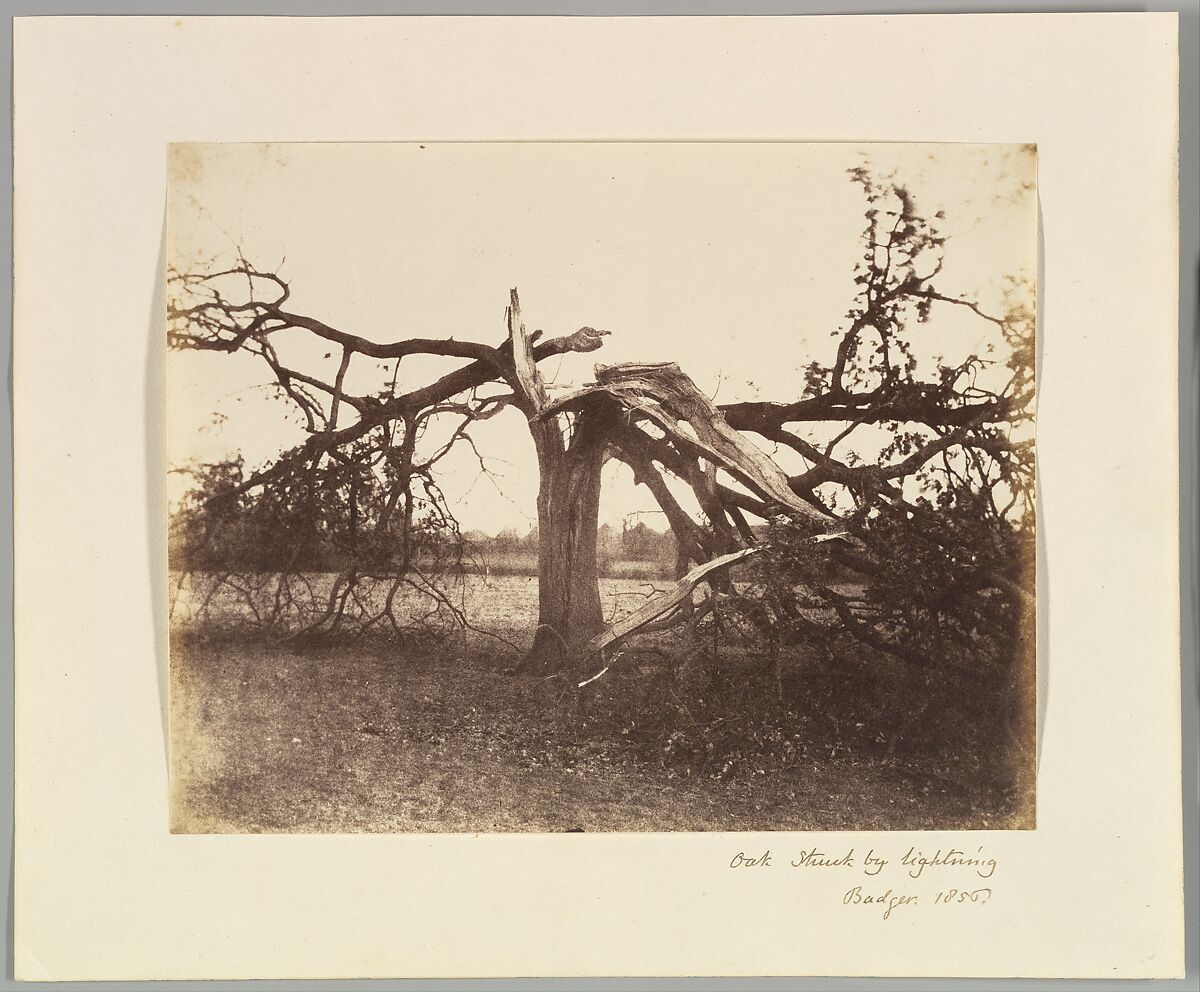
(891,900)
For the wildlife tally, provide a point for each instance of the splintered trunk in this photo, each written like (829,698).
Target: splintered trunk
(571,448)
(569,613)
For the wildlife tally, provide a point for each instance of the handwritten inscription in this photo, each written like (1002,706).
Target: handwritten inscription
(953,869)
(856,897)
(742,861)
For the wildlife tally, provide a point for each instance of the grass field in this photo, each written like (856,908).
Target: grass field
(502,602)
(369,737)
(490,562)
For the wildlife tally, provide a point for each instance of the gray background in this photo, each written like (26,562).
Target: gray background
(1189,313)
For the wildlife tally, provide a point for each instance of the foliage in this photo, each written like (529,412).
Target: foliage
(918,619)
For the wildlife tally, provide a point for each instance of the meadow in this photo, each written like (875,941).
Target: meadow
(431,733)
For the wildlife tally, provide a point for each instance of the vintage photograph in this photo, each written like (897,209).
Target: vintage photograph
(587,487)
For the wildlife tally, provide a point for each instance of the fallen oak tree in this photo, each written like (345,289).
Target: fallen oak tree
(954,452)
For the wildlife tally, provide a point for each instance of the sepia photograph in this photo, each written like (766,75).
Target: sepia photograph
(601,487)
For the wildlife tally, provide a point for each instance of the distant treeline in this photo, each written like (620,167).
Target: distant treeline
(244,543)
(636,551)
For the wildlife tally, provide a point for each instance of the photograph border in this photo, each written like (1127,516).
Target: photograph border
(1188,504)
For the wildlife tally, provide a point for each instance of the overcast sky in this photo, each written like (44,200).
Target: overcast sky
(734,260)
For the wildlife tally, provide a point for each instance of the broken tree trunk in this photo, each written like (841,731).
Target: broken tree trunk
(569,611)
(652,413)
(665,398)
(571,451)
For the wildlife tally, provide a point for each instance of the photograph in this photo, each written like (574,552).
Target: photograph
(601,486)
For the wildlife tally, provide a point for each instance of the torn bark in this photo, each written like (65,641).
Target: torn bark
(529,381)
(666,397)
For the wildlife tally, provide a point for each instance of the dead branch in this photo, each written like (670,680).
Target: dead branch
(664,603)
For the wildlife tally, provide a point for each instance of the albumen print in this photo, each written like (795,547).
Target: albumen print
(601,487)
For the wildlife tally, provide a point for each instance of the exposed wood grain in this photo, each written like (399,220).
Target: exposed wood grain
(670,599)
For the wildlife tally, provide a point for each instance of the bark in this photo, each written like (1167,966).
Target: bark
(569,612)
(665,397)
(571,451)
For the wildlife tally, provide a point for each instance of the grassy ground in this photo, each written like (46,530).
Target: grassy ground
(367,738)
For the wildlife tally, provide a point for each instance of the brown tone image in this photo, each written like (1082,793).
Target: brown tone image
(768,565)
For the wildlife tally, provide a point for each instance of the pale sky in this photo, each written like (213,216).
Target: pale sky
(733,260)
